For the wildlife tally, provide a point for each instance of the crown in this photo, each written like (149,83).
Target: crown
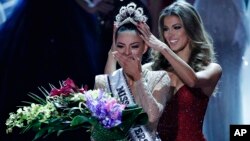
(131,14)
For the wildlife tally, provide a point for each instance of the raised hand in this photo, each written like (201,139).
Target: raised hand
(113,38)
(131,65)
(149,38)
(111,62)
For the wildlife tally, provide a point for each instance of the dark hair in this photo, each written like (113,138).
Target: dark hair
(131,27)
(201,42)
(126,27)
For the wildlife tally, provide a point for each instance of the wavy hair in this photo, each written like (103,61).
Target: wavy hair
(201,43)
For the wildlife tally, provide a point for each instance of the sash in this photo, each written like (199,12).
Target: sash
(119,88)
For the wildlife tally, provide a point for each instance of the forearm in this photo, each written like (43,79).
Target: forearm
(182,69)
(147,101)
(110,64)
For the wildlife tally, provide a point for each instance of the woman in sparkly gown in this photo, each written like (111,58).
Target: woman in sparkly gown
(185,51)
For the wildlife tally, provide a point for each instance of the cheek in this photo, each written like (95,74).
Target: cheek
(183,34)
(184,38)
(120,50)
(165,36)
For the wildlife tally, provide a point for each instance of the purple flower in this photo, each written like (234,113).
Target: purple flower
(105,108)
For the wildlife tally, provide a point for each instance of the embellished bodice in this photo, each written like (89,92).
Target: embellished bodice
(183,116)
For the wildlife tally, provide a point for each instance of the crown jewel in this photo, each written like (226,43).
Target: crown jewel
(130,13)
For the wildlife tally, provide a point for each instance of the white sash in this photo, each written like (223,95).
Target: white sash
(119,88)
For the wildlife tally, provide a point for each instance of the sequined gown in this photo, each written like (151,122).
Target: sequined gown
(183,116)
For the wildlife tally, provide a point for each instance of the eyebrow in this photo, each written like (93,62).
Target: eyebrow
(130,44)
(176,24)
(173,24)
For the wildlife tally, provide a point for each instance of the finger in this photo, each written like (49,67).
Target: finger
(145,39)
(145,32)
(113,37)
(140,28)
(114,30)
(136,59)
(120,58)
(146,25)
(146,29)
(142,32)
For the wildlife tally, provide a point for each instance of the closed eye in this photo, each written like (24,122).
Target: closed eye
(119,46)
(177,27)
(135,46)
(165,29)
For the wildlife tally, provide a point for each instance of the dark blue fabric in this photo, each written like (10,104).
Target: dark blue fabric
(46,41)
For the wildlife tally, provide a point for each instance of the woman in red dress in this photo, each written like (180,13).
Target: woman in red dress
(185,51)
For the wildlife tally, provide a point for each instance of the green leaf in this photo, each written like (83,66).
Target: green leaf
(44,91)
(77,120)
(36,126)
(40,134)
(100,133)
(27,102)
(55,120)
(59,132)
(131,116)
(28,127)
(37,98)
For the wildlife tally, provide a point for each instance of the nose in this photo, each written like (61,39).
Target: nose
(169,33)
(128,51)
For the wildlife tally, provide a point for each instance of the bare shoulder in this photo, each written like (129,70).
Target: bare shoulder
(215,68)
(209,78)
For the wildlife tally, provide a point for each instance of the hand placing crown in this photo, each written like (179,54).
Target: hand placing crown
(131,14)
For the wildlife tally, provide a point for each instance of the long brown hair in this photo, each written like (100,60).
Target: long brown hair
(201,43)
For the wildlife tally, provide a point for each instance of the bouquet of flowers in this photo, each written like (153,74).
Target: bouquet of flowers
(71,108)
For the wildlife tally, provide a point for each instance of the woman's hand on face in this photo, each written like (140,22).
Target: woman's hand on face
(149,38)
(131,65)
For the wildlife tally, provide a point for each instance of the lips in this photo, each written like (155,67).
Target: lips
(173,42)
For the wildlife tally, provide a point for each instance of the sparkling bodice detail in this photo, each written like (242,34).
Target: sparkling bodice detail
(182,119)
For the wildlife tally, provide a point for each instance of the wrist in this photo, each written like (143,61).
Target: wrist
(138,77)
(163,48)
(140,82)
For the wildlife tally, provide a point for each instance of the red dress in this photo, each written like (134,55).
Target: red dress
(183,116)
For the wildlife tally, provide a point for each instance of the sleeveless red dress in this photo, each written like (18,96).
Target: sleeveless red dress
(182,119)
